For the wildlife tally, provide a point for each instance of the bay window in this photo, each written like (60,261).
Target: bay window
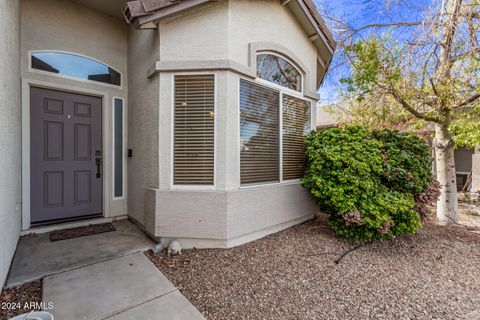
(273,124)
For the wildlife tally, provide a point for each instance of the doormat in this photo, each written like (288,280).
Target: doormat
(81,231)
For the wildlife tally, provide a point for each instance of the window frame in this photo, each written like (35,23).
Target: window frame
(275,85)
(191,187)
(124,147)
(62,76)
(282,91)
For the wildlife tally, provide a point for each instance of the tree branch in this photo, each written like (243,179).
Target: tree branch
(452,14)
(396,95)
(393,24)
(467,101)
(434,88)
(471,52)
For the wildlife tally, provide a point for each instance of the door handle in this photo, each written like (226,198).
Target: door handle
(98,163)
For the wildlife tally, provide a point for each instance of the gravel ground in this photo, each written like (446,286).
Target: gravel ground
(15,301)
(292,275)
(469,215)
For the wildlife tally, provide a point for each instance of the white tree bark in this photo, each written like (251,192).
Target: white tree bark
(447,204)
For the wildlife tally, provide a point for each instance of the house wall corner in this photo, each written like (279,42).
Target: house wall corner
(10,131)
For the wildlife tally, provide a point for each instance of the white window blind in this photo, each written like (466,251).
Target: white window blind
(194,125)
(295,127)
(259,134)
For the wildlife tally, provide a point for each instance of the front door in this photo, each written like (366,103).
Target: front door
(65,155)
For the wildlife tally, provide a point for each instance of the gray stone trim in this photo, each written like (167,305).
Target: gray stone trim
(312,95)
(205,65)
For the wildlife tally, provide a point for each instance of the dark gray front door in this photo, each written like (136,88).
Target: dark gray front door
(65,155)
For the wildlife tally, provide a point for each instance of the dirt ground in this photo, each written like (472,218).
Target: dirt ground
(469,213)
(16,301)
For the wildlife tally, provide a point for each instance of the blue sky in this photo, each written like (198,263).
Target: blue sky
(362,12)
(72,65)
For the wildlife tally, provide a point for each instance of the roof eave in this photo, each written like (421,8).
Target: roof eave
(169,11)
(317,31)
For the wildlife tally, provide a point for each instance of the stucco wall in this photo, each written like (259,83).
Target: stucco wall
(199,34)
(263,207)
(268,21)
(225,215)
(205,219)
(143,121)
(10,128)
(67,26)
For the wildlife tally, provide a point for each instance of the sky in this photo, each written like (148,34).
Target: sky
(72,65)
(358,13)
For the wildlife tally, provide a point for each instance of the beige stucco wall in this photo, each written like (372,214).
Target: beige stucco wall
(225,214)
(199,34)
(268,21)
(223,219)
(143,121)
(10,128)
(66,26)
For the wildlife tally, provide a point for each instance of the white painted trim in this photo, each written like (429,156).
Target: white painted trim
(239,140)
(280,136)
(27,83)
(289,60)
(124,146)
(277,87)
(173,186)
(25,155)
(269,184)
(55,75)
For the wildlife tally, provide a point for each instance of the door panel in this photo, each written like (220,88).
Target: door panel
(53,140)
(53,190)
(65,155)
(83,142)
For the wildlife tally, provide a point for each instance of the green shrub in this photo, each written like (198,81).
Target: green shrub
(407,161)
(366,181)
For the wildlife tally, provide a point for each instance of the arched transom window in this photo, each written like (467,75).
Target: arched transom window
(278,70)
(76,66)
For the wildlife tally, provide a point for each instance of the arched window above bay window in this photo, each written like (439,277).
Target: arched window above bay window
(279,71)
(74,66)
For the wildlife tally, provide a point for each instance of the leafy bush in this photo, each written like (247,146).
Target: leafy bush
(407,161)
(367,180)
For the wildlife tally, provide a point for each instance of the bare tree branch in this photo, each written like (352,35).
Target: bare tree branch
(393,24)
(472,99)
(408,107)
(434,88)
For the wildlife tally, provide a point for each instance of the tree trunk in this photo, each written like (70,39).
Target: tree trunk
(447,204)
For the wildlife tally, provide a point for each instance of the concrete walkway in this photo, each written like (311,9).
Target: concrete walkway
(37,257)
(130,287)
(103,276)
